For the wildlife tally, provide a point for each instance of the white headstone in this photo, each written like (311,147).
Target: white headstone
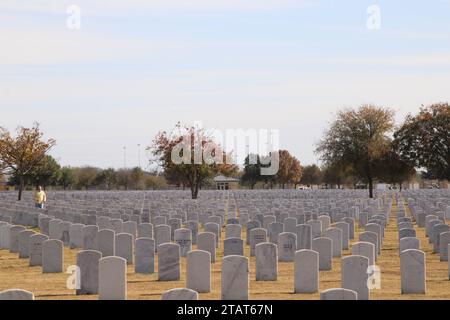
(106,242)
(88,262)
(306,271)
(145,256)
(287,245)
(198,271)
(206,241)
(335,234)
(180,294)
(365,249)
(413,271)
(169,262)
(52,256)
(112,279)
(266,261)
(36,241)
(24,243)
(338,294)
(16,294)
(183,238)
(124,246)
(324,246)
(355,274)
(235,278)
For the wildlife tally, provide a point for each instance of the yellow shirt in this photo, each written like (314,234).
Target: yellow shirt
(40,197)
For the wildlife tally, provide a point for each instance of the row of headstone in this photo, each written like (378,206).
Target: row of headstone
(319,234)
(412,259)
(38,248)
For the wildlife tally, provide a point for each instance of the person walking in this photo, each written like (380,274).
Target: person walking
(40,197)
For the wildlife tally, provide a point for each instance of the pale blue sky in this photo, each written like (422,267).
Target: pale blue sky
(137,67)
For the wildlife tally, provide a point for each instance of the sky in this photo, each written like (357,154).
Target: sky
(137,67)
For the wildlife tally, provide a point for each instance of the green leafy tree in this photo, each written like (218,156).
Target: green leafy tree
(86,177)
(107,178)
(337,174)
(124,178)
(155,182)
(47,173)
(312,175)
(358,138)
(424,140)
(268,180)
(67,177)
(394,170)
(137,176)
(252,171)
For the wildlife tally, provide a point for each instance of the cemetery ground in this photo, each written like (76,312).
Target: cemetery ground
(15,273)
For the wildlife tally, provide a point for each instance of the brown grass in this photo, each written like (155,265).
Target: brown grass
(15,273)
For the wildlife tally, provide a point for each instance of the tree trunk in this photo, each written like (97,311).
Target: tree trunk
(21,186)
(370,187)
(194,191)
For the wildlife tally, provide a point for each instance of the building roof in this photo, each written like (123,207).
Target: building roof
(222,178)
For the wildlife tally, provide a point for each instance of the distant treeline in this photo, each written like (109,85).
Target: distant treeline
(50,174)
(361,147)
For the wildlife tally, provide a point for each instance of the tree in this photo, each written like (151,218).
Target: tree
(47,173)
(124,178)
(289,169)
(86,177)
(2,179)
(394,170)
(252,171)
(424,140)
(266,162)
(358,138)
(155,182)
(67,177)
(181,155)
(108,178)
(176,178)
(137,178)
(337,174)
(312,175)
(21,154)
(295,172)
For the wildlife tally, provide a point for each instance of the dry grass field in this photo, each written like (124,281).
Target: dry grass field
(15,273)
